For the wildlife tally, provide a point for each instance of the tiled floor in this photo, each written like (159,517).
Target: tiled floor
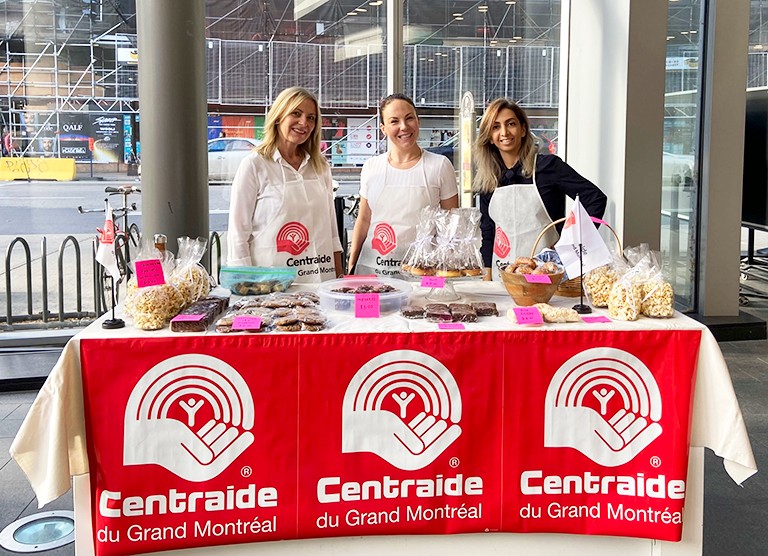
(735,518)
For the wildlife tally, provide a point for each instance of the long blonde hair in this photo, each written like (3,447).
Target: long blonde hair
(488,160)
(285,103)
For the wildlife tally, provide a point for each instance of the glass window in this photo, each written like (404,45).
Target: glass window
(217,146)
(680,187)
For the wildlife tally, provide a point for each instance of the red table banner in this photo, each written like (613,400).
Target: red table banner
(209,440)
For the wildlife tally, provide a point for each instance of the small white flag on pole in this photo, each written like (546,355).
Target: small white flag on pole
(105,254)
(580,234)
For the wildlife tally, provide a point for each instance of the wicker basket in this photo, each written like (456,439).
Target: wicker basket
(572,287)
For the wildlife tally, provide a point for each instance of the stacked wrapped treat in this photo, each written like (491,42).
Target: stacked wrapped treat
(447,244)
(632,287)
(281,312)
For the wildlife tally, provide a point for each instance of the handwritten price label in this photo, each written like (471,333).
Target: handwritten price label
(149,273)
(187,318)
(433,282)
(596,319)
(451,326)
(246,322)
(367,306)
(528,315)
(538,278)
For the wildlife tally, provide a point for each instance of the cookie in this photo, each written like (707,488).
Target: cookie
(295,327)
(306,327)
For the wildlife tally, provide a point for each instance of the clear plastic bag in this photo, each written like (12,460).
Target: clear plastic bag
(152,307)
(189,276)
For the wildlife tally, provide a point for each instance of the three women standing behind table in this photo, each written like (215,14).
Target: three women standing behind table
(394,188)
(281,209)
(519,191)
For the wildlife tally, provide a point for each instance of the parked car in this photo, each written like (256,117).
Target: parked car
(450,147)
(225,155)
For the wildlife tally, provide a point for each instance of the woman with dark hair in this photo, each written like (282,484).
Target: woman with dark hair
(394,187)
(520,191)
(281,210)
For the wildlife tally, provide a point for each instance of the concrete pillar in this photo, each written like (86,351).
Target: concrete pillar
(722,157)
(174,118)
(395,47)
(613,101)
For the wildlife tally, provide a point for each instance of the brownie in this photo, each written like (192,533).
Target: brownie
(209,307)
(412,312)
(462,312)
(438,312)
(485,309)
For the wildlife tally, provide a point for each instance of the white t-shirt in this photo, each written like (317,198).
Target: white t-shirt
(257,195)
(441,178)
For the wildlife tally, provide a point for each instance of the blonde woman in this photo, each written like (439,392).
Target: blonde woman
(281,211)
(394,187)
(520,191)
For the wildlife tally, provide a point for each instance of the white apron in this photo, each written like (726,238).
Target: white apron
(393,224)
(520,216)
(299,235)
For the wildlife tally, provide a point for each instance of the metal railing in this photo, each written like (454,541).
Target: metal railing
(28,308)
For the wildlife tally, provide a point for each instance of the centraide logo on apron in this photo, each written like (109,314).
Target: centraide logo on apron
(605,403)
(403,406)
(384,238)
(292,238)
(191,414)
(501,243)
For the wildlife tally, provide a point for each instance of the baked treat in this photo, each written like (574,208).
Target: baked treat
(208,308)
(526,261)
(462,312)
(306,327)
(438,312)
(452,273)
(557,314)
(412,312)
(485,309)
(295,327)
(472,272)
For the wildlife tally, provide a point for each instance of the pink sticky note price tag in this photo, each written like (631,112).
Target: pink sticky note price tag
(367,306)
(187,318)
(528,315)
(451,326)
(246,322)
(538,278)
(149,273)
(433,282)
(596,319)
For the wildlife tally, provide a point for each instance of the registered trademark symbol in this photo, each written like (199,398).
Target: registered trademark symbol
(454,462)
(246,471)
(656,461)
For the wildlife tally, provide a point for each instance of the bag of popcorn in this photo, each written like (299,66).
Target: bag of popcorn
(599,282)
(152,307)
(189,276)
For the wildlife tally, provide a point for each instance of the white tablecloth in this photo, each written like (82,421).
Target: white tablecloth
(50,446)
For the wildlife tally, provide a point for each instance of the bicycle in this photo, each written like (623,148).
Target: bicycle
(125,235)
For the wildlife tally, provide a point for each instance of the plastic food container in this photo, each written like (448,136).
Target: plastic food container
(256,280)
(389,302)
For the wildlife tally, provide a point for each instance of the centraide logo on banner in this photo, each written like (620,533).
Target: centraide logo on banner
(628,399)
(293,238)
(384,238)
(401,377)
(192,448)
